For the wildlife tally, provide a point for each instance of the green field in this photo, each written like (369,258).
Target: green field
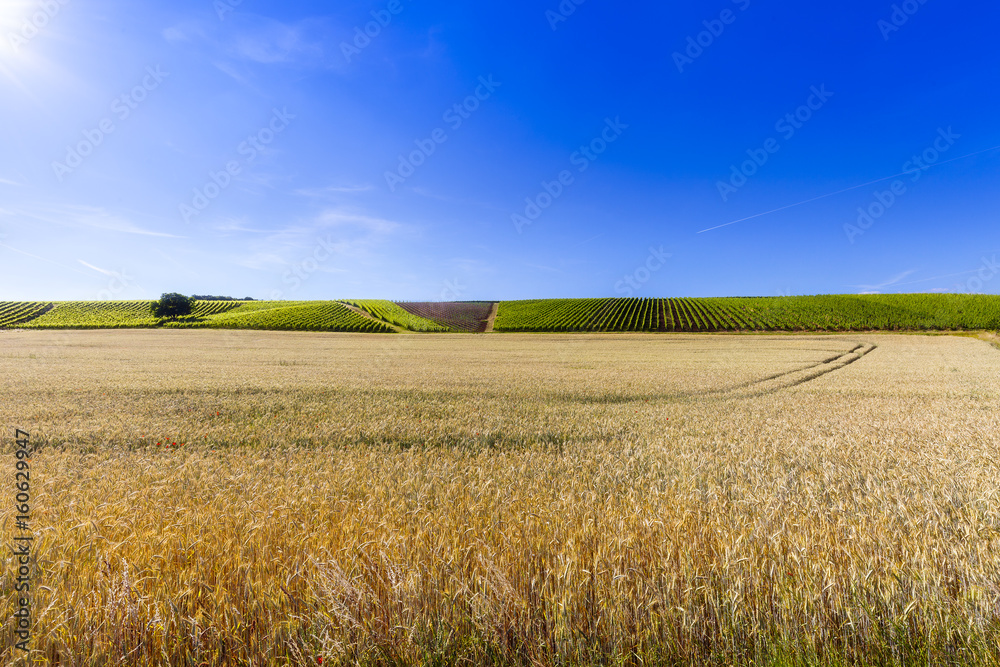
(263,315)
(110,314)
(94,315)
(13,313)
(896,312)
(872,312)
(291,316)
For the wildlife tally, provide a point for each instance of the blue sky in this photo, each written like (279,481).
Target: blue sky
(419,150)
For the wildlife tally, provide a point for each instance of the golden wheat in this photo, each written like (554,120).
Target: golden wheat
(508,499)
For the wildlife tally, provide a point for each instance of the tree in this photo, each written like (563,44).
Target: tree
(173,305)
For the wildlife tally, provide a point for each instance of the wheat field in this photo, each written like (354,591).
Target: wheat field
(505,499)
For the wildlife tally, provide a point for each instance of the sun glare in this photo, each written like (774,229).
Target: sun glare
(22,21)
(15,12)
(25,26)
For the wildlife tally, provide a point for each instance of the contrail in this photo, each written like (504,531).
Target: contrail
(97,268)
(854,187)
(28,254)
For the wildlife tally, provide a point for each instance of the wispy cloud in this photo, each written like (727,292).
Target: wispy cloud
(344,233)
(268,41)
(324,193)
(246,37)
(236,226)
(542,267)
(367,223)
(179,267)
(424,192)
(872,289)
(41,259)
(230,70)
(91,217)
(351,188)
(469,266)
(262,261)
(183,32)
(895,282)
(947,275)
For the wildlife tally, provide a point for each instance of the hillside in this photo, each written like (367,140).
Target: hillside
(874,312)
(261,315)
(903,312)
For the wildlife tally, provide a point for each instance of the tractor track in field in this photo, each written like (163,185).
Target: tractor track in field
(492,318)
(794,378)
(767,385)
(770,384)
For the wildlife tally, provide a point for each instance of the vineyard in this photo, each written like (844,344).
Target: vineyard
(897,312)
(107,314)
(95,315)
(465,316)
(13,313)
(291,316)
(394,314)
(206,308)
(870,312)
